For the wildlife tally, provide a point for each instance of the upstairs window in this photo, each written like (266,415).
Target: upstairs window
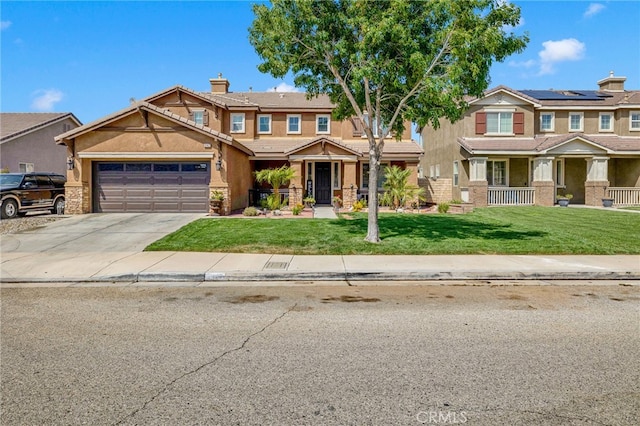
(575,121)
(547,122)
(500,123)
(237,123)
(606,122)
(199,116)
(264,124)
(323,124)
(634,120)
(294,125)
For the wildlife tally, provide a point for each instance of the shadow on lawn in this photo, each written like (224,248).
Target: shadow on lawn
(435,228)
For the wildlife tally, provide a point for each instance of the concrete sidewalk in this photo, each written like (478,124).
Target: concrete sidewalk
(114,267)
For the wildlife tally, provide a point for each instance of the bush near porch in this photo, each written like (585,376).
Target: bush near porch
(494,230)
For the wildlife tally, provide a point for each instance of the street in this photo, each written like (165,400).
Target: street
(327,355)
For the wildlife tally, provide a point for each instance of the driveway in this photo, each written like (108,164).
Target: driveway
(92,241)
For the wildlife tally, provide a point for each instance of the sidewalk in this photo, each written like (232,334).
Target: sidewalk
(121,267)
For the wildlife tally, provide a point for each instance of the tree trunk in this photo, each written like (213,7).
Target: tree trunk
(373,232)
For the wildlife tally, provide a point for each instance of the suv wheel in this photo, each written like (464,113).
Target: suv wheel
(9,209)
(58,206)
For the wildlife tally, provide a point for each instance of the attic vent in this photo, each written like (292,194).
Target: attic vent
(281,95)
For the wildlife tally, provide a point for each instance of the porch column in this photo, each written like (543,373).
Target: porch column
(296,186)
(77,189)
(595,188)
(219,181)
(543,181)
(413,179)
(478,185)
(349,187)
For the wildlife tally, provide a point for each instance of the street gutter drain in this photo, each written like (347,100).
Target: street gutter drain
(276,265)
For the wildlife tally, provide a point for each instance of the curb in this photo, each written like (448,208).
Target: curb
(335,276)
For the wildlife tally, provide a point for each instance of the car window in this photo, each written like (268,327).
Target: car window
(7,179)
(43,181)
(30,181)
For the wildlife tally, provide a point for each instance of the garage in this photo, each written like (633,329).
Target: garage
(146,187)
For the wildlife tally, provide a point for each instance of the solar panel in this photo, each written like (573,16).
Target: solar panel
(566,95)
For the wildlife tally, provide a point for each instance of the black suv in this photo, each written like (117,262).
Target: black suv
(25,192)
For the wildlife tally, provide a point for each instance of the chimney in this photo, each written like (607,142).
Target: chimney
(219,85)
(612,83)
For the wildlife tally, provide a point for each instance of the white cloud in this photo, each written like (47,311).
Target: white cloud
(568,49)
(523,64)
(45,100)
(593,9)
(283,87)
(4,25)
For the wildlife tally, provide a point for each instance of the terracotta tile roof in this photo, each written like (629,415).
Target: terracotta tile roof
(14,124)
(184,89)
(540,144)
(289,101)
(321,139)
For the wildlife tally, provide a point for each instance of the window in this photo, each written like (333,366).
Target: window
(198,117)
(497,173)
(336,175)
(323,124)
(634,120)
(606,122)
(293,124)
(264,124)
(575,121)
(547,122)
(25,167)
(237,123)
(374,127)
(500,122)
(365,175)
(456,173)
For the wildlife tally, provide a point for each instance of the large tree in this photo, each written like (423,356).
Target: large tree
(385,62)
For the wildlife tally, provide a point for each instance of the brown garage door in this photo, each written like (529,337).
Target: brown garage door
(151,187)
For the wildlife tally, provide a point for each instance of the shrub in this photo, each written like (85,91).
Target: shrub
(250,211)
(359,205)
(297,209)
(443,207)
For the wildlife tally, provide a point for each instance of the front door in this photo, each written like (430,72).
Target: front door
(323,183)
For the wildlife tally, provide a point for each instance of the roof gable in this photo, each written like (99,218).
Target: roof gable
(578,144)
(180,91)
(15,124)
(503,95)
(322,143)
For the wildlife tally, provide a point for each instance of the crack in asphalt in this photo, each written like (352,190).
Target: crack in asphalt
(206,364)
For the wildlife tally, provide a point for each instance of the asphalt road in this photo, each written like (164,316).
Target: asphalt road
(486,355)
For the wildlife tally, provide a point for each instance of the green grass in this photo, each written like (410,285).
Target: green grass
(497,230)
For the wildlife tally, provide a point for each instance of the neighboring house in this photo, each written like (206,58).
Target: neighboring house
(170,151)
(27,141)
(519,147)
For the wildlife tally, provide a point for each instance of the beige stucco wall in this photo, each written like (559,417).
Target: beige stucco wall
(624,172)
(575,178)
(519,172)
(236,172)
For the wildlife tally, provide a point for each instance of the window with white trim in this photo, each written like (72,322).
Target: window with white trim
(264,123)
(323,124)
(237,122)
(198,116)
(497,172)
(634,121)
(374,126)
(547,122)
(500,122)
(294,124)
(606,122)
(26,167)
(575,121)
(560,172)
(336,175)
(456,173)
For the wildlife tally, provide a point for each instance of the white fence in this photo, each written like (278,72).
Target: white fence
(625,196)
(498,196)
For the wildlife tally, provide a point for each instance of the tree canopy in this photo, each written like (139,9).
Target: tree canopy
(387,62)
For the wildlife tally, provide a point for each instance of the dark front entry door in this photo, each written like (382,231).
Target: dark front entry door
(323,183)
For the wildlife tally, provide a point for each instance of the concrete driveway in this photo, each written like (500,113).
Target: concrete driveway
(73,245)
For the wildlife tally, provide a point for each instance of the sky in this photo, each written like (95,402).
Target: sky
(91,58)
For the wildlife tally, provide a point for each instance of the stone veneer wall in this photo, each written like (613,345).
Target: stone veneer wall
(594,192)
(545,193)
(76,199)
(226,203)
(437,191)
(478,191)
(349,196)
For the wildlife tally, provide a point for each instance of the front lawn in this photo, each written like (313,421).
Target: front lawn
(496,230)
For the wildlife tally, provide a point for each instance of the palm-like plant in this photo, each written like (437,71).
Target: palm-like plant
(275,177)
(397,191)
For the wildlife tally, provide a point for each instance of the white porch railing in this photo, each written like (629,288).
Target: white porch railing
(505,196)
(625,196)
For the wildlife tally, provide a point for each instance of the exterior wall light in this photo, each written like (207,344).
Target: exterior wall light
(70,163)
(219,164)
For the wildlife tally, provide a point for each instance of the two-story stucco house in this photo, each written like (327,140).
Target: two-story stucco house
(27,141)
(170,151)
(525,147)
